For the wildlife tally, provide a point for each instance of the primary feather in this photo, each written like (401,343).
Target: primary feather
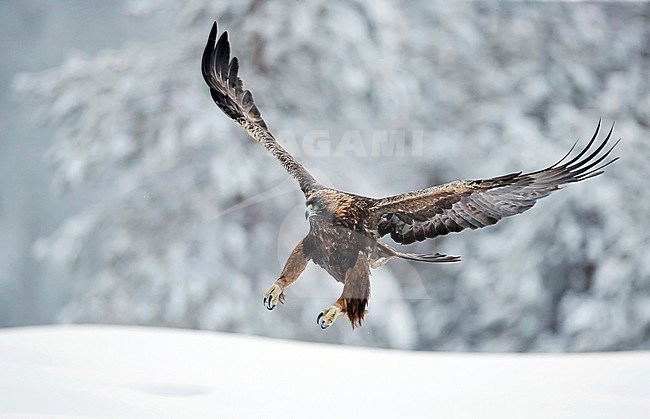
(227,91)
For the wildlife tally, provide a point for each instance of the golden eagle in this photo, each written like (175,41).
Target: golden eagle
(345,228)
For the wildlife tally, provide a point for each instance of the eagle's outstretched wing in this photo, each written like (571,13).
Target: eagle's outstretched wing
(220,73)
(455,206)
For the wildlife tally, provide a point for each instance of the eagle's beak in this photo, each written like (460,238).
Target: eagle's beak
(309,212)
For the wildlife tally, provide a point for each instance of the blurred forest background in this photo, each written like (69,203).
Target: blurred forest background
(127,197)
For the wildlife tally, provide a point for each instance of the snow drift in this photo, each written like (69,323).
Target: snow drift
(101,371)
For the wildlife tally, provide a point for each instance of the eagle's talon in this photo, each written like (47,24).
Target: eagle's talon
(328,316)
(268,303)
(272,296)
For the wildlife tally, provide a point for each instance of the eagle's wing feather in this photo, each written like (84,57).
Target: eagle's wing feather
(455,206)
(226,88)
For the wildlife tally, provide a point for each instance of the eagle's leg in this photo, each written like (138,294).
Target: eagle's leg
(354,298)
(296,263)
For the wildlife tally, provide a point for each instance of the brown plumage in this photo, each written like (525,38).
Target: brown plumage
(345,229)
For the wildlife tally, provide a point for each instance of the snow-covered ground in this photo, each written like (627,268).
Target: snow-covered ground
(109,371)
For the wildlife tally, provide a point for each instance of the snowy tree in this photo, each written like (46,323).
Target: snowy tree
(188,221)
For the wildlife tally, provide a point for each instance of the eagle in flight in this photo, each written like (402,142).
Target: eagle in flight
(344,229)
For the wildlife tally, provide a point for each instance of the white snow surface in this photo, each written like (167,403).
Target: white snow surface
(116,371)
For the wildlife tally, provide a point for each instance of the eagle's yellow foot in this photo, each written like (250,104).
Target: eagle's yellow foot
(328,316)
(273,296)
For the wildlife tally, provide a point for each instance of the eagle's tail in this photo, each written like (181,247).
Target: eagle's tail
(438,257)
(385,253)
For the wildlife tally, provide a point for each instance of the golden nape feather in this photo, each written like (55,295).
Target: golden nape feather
(344,229)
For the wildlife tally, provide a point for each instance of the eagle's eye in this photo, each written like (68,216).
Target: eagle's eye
(313,204)
(313,208)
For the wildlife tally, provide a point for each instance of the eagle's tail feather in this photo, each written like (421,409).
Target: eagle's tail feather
(438,257)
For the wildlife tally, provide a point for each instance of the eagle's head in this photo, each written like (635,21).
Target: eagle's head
(319,205)
(326,203)
(337,207)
